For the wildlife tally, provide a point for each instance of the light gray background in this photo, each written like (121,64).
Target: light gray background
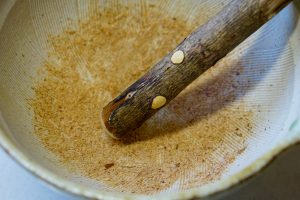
(281,180)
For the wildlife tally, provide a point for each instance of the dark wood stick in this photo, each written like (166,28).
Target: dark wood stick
(199,51)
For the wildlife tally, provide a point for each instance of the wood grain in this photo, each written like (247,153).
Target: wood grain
(202,49)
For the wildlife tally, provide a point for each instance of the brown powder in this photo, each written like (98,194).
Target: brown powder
(192,140)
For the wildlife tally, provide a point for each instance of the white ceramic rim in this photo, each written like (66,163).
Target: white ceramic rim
(60,183)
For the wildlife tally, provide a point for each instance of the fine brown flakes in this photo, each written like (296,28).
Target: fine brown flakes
(198,135)
(109,165)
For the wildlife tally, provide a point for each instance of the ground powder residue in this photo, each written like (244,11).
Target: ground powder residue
(190,142)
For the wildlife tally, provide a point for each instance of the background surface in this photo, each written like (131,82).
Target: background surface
(281,180)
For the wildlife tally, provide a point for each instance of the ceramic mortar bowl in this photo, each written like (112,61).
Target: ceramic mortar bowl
(274,48)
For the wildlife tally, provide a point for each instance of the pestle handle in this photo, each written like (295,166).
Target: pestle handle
(193,56)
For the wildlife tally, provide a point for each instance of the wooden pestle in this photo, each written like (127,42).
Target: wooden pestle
(194,55)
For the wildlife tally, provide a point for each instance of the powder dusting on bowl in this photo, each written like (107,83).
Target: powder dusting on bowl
(88,66)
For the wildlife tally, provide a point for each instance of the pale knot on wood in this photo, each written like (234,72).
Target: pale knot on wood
(158,102)
(177,57)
